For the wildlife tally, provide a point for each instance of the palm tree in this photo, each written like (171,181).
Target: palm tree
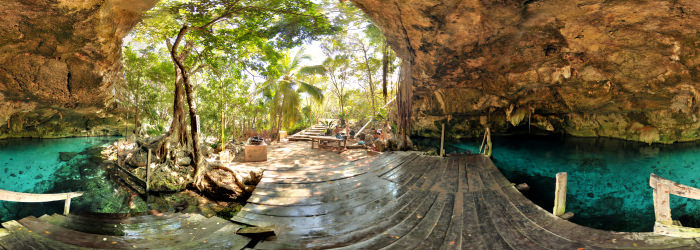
(337,70)
(285,89)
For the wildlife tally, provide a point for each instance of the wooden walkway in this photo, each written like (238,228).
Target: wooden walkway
(405,201)
(100,231)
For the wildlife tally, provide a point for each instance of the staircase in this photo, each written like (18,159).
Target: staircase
(170,230)
(305,134)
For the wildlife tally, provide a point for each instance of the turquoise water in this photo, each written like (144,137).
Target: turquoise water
(608,180)
(34,166)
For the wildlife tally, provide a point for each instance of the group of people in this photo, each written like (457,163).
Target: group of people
(382,134)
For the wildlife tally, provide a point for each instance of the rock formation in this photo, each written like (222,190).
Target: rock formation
(622,69)
(59,61)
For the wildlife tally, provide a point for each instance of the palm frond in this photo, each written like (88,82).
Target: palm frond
(313,70)
(315,92)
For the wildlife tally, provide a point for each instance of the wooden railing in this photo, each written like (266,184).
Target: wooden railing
(664,224)
(486,146)
(372,119)
(27,197)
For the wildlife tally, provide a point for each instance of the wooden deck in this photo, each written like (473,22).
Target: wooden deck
(405,201)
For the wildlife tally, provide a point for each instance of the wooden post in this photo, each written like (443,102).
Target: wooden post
(662,203)
(442,141)
(560,195)
(148,171)
(66,206)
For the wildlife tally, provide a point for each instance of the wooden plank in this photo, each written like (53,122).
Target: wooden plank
(359,224)
(433,170)
(471,230)
(491,238)
(427,223)
(367,226)
(371,195)
(318,225)
(439,232)
(367,230)
(662,204)
(72,237)
(502,206)
(477,209)
(453,239)
(223,238)
(503,225)
(27,197)
(396,232)
(560,195)
(674,188)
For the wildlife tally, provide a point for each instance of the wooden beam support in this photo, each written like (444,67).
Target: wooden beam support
(442,141)
(148,172)
(560,195)
(66,206)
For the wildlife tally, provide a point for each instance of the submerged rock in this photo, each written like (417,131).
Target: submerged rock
(66,156)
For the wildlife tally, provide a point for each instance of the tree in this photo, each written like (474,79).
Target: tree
(206,27)
(377,38)
(147,73)
(337,70)
(284,88)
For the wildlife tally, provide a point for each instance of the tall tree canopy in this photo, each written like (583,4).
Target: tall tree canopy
(197,31)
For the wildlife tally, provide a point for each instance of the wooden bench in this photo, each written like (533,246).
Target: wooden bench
(319,139)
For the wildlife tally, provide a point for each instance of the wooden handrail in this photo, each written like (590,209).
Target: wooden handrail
(662,189)
(486,146)
(674,187)
(29,197)
(372,119)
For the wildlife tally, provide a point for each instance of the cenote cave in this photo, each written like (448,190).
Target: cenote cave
(360,124)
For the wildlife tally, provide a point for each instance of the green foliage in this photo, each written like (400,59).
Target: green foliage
(244,75)
(148,74)
(284,90)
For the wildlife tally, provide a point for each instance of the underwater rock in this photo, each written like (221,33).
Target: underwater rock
(587,67)
(66,156)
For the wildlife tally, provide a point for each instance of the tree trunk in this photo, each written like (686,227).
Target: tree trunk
(279,124)
(223,128)
(196,154)
(178,130)
(385,69)
(369,76)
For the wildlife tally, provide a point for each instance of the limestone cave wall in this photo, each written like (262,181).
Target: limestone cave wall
(59,61)
(626,69)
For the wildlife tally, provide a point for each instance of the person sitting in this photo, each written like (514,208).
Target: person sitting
(337,133)
(375,135)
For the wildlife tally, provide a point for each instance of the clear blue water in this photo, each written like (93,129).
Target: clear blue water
(608,179)
(33,166)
